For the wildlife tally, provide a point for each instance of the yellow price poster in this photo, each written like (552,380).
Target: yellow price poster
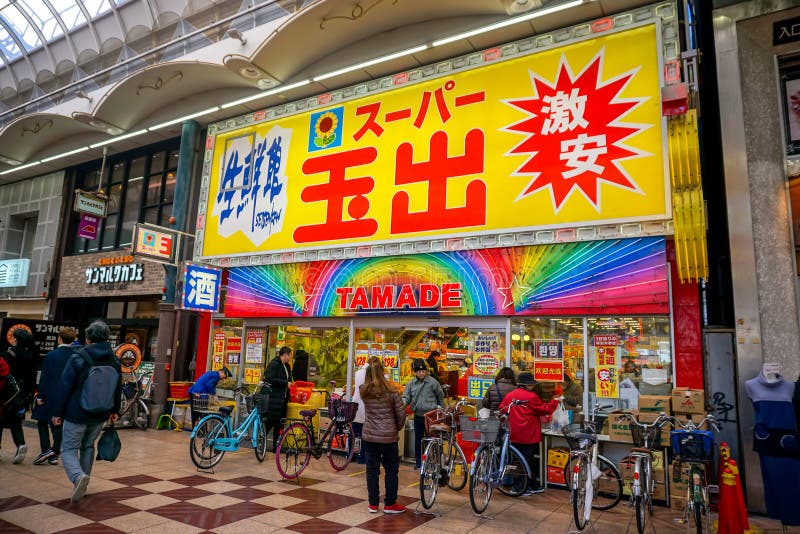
(605,355)
(391,355)
(607,382)
(362,354)
(252,375)
(571,135)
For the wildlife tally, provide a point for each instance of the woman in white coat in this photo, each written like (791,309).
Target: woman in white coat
(358,422)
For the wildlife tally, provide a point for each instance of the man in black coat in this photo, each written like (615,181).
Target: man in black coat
(278,376)
(43,412)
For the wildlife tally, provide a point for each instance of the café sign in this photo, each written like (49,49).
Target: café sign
(116,270)
(90,203)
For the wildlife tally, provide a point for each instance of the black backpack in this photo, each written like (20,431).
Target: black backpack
(98,385)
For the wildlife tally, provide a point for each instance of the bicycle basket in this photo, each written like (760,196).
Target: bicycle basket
(479,430)
(640,434)
(693,444)
(261,403)
(342,411)
(129,390)
(200,402)
(577,436)
(435,417)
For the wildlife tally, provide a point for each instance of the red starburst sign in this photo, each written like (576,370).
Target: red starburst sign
(575,134)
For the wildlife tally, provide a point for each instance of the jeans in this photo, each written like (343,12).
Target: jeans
(388,455)
(419,433)
(45,427)
(79,439)
(15,425)
(528,451)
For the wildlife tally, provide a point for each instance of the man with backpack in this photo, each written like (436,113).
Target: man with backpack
(89,394)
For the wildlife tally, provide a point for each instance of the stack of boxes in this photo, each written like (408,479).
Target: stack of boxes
(683,403)
(686,403)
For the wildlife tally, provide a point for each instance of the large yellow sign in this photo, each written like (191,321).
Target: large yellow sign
(565,137)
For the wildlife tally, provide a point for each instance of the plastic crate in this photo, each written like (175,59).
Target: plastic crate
(179,390)
(469,447)
(300,392)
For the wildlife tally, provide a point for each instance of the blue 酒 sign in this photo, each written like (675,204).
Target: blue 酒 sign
(201,288)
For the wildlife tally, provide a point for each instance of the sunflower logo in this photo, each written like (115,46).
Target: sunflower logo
(326,129)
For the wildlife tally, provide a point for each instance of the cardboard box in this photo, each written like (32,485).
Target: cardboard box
(648,418)
(555,475)
(677,503)
(678,484)
(688,401)
(557,457)
(655,389)
(626,468)
(654,404)
(618,428)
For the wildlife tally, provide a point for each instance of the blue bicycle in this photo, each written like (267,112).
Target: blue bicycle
(214,434)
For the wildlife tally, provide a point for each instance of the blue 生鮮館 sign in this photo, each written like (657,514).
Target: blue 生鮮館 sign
(201,287)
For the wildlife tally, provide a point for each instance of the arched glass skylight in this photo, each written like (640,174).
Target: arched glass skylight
(29,24)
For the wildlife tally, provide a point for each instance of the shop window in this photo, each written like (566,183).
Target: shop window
(153,190)
(133,197)
(326,349)
(109,232)
(169,188)
(628,357)
(115,309)
(552,349)
(20,235)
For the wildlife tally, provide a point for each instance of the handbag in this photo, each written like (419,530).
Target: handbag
(109,445)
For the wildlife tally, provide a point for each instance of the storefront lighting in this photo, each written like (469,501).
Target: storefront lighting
(509,22)
(182,119)
(526,337)
(514,337)
(119,138)
(279,89)
(371,62)
(21,167)
(65,154)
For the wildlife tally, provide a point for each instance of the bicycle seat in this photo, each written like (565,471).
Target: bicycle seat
(439,428)
(641,450)
(581,436)
(308,413)
(225,410)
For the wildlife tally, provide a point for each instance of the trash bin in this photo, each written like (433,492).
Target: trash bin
(408,449)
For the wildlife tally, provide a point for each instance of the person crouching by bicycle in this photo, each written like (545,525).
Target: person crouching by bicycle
(504,383)
(422,394)
(384,418)
(206,385)
(524,423)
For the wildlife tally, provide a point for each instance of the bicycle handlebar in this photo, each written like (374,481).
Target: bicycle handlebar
(659,422)
(691,425)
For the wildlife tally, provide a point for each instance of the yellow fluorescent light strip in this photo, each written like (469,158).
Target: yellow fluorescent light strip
(263,94)
(371,62)
(119,138)
(508,22)
(181,119)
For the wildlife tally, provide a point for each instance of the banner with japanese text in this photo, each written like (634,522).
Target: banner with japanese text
(565,136)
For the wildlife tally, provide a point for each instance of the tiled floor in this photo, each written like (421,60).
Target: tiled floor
(154,488)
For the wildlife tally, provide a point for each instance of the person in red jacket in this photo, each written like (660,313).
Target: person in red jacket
(525,425)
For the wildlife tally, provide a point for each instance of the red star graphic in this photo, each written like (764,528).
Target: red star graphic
(574,134)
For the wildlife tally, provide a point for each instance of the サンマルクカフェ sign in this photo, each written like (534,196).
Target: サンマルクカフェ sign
(105,273)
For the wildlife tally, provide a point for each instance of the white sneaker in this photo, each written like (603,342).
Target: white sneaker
(21,450)
(80,488)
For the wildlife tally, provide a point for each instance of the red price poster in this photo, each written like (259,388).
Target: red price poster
(391,355)
(607,382)
(605,355)
(233,344)
(548,370)
(362,354)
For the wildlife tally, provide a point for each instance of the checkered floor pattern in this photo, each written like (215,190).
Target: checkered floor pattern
(154,488)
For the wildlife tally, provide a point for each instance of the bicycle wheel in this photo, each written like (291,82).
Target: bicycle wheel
(515,480)
(640,501)
(201,446)
(429,475)
(261,441)
(141,415)
(608,486)
(455,461)
(480,488)
(577,483)
(291,453)
(340,446)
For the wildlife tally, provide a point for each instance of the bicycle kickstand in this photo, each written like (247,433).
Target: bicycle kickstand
(435,511)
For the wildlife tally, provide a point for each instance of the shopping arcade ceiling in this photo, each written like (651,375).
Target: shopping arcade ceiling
(170,67)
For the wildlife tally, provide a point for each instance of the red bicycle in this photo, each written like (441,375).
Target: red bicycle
(298,441)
